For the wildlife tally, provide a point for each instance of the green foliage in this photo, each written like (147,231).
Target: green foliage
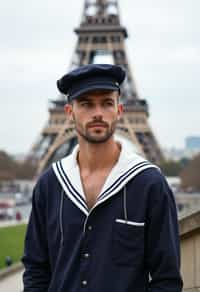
(188,170)
(7,166)
(11,169)
(171,167)
(11,243)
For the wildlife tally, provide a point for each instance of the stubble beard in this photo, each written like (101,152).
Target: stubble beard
(94,139)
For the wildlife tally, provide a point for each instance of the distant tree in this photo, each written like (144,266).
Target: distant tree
(185,161)
(11,169)
(25,170)
(190,175)
(6,175)
(171,167)
(7,166)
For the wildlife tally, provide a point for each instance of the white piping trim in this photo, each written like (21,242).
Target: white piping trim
(124,182)
(69,185)
(69,194)
(122,177)
(129,222)
(85,210)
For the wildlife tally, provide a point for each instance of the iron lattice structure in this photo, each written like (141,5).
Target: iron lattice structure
(101,39)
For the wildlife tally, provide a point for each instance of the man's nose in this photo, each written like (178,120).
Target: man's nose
(98,112)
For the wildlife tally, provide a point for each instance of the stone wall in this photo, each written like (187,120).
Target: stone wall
(189,227)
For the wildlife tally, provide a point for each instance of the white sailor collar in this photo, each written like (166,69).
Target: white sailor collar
(128,166)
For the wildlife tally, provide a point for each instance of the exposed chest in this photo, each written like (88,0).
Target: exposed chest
(92,186)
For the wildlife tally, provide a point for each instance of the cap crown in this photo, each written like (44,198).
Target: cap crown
(92,76)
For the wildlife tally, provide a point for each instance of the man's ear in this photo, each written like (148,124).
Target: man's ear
(69,111)
(120,110)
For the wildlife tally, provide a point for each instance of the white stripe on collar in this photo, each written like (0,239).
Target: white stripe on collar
(128,166)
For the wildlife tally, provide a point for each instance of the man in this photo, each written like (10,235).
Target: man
(103,218)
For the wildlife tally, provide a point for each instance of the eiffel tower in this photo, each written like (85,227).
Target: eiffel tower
(101,39)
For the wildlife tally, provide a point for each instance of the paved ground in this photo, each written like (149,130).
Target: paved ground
(12,283)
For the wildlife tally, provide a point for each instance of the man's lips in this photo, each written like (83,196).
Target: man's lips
(97,125)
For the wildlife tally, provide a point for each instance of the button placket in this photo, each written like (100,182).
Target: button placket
(85,257)
(85,251)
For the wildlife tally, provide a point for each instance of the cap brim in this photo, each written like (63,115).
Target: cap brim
(93,88)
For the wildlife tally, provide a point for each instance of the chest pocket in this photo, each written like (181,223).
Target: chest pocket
(128,242)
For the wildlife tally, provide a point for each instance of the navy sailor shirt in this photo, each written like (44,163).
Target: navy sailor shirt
(127,242)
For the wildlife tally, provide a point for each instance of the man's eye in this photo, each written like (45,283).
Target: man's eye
(85,103)
(109,103)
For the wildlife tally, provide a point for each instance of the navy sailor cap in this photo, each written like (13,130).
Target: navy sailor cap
(91,77)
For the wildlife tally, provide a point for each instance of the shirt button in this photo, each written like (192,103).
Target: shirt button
(86,255)
(84,282)
(89,227)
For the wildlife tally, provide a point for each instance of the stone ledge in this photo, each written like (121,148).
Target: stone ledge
(189,223)
(197,289)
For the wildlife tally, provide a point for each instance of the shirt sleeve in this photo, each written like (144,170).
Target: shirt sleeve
(163,244)
(36,276)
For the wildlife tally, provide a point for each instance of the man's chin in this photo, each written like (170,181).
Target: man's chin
(97,140)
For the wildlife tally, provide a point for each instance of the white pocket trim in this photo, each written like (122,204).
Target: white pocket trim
(130,222)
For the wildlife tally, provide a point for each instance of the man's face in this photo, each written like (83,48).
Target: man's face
(95,115)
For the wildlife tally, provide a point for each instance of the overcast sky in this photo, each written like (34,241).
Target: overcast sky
(37,42)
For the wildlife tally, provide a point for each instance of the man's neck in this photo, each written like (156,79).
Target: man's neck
(94,157)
